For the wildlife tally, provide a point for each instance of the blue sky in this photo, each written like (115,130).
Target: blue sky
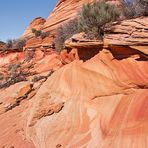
(15,15)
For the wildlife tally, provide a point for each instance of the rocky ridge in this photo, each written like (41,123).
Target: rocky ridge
(63,11)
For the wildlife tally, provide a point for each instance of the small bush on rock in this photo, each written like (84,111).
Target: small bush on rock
(33,30)
(93,18)
(64,32)
(39,33)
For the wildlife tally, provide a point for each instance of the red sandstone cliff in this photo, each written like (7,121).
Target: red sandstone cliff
(99,103)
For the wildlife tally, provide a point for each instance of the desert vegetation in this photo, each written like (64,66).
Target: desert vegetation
(39,33)
(15,75)
(91,19)
(64,32)
(16,44)
(95,16)
(135,8)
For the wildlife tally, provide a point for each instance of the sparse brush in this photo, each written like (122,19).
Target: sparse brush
(17,44)
(93,17)
(39,33)
(135,8)
(64,32)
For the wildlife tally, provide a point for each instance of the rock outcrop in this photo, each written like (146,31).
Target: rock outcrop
(105,105)
(63,101)
(133,33)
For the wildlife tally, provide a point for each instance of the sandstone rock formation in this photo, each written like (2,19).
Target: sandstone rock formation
(105,105)
(133,33)
(97,102)
(37,24)
(64,11)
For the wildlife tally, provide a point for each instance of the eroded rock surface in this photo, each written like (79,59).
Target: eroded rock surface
(133,32)
(66,102)
(105,104)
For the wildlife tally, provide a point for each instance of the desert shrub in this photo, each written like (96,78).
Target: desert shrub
(135,8)
(16,44)
(19,44)
(44,35)
(38,33)
(38,78)
(15,79)
(64,32)
(1,42)
(33,30)
(15,75)
(93,18)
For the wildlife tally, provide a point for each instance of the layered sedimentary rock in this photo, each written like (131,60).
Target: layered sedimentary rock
(64,11)
(133,33)
(37,24)
(104,104)
(99,103)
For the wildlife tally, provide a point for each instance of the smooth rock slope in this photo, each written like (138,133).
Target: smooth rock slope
(104,105)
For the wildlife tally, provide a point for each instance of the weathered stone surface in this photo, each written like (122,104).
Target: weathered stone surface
(101,102)
(12,123)
(39,42)
(80,41)
(133,32)
(105,104)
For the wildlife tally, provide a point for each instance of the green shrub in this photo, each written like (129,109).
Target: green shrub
(64,32)
(93,18)
(135,8)
(38,33)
